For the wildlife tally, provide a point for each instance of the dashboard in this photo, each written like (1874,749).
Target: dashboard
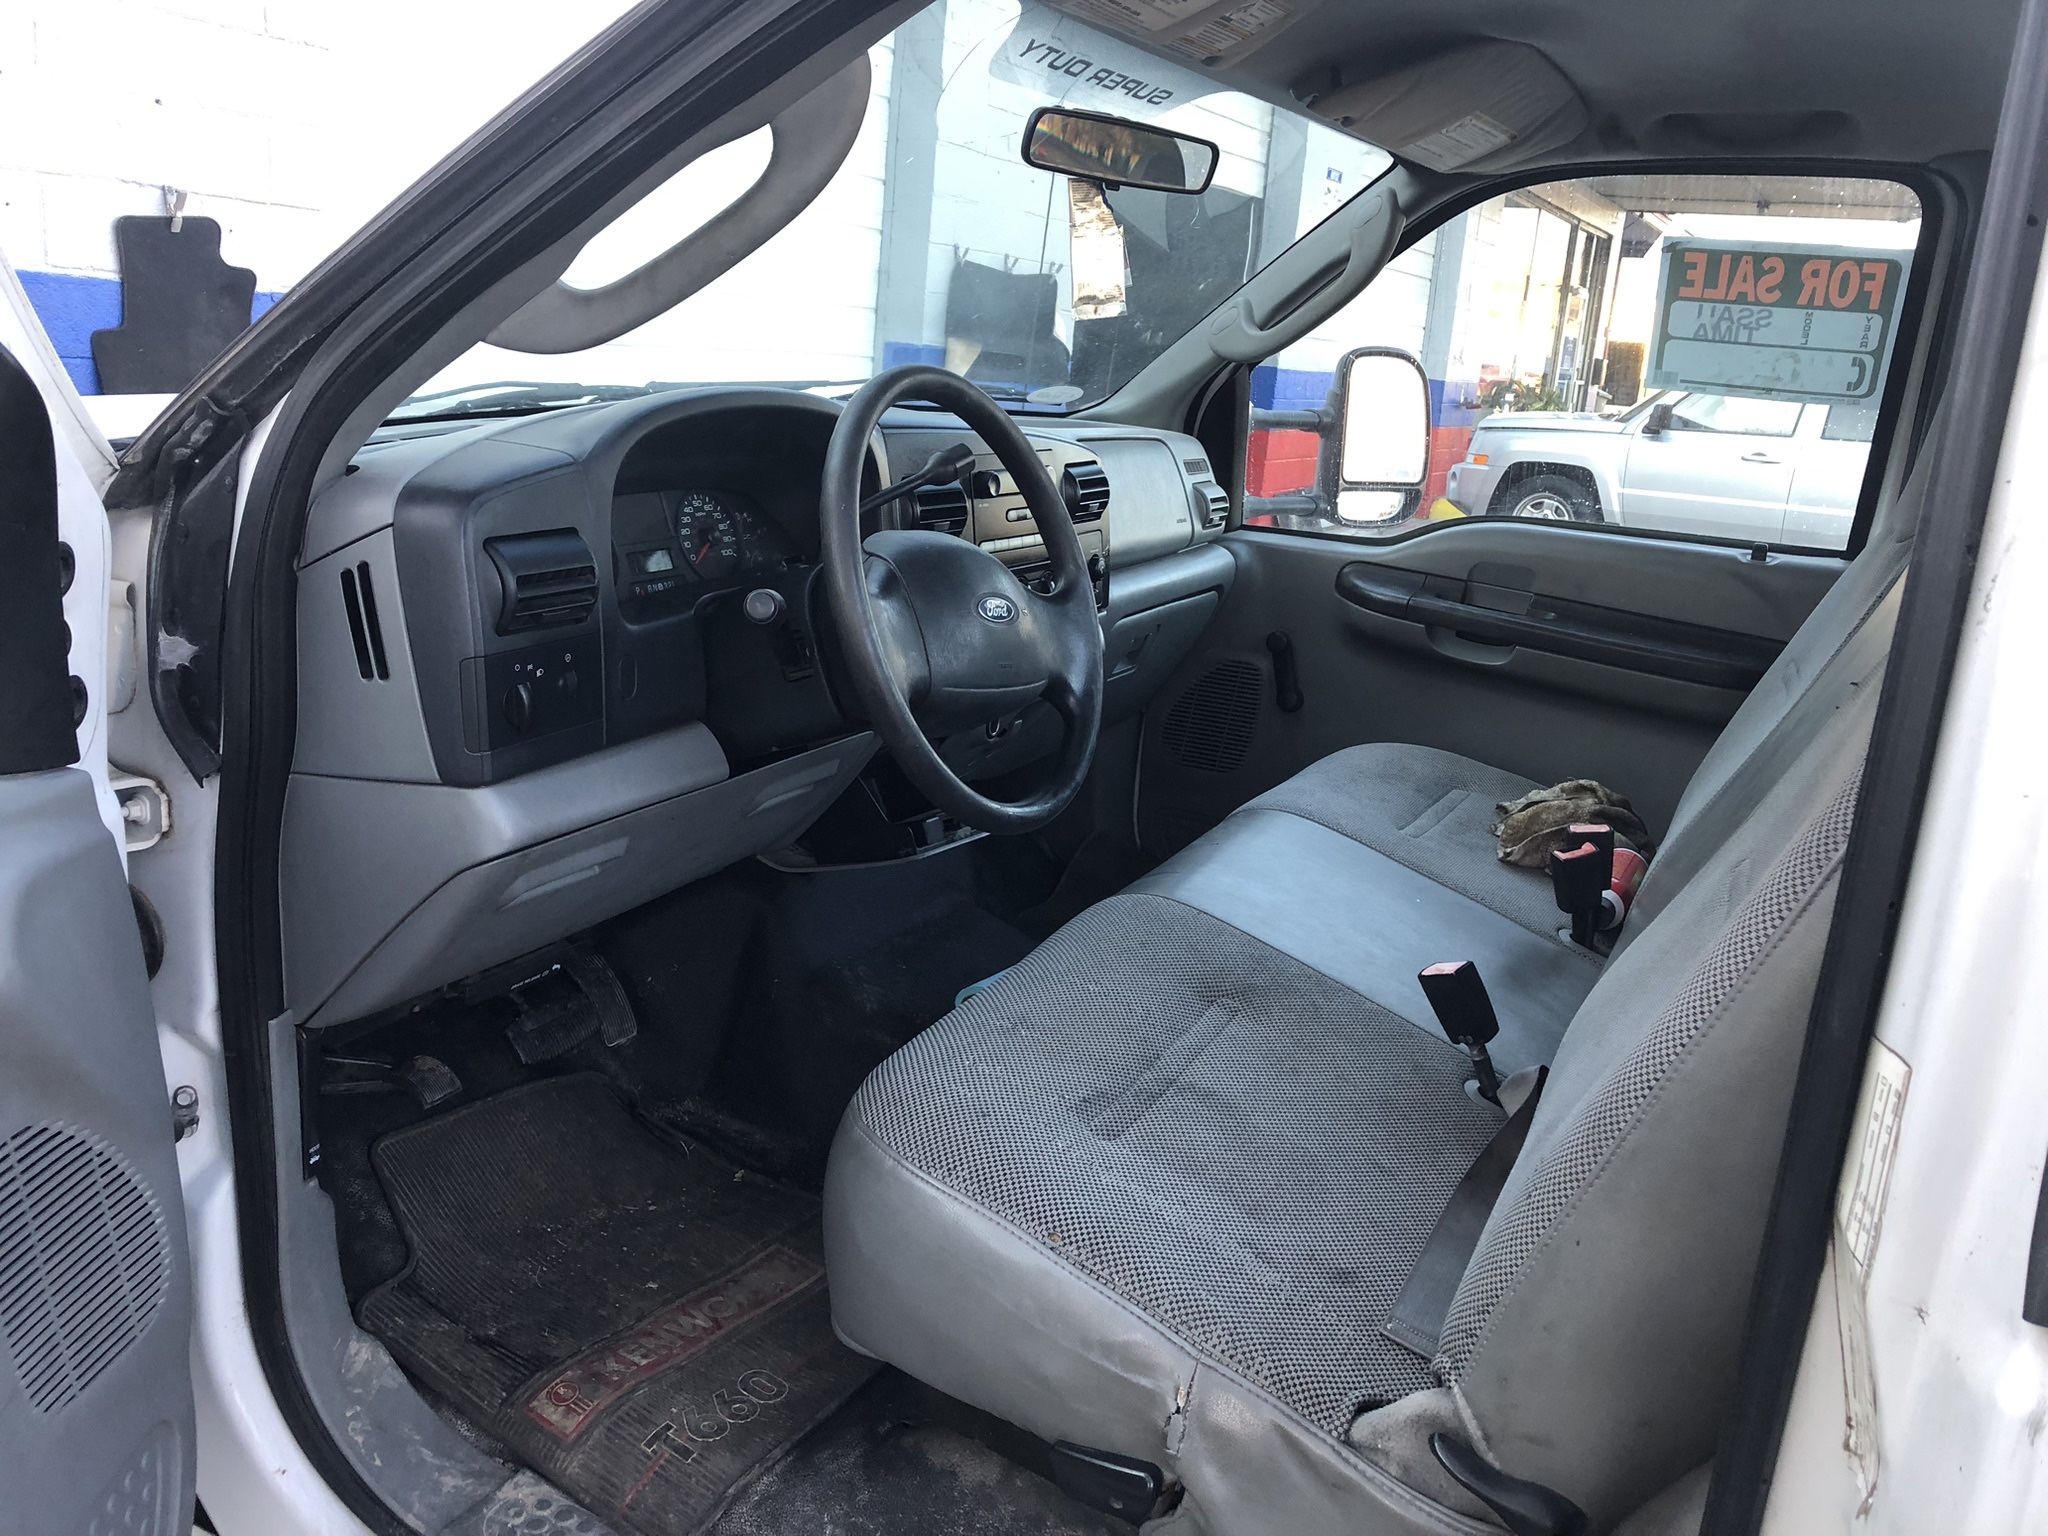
(553,666)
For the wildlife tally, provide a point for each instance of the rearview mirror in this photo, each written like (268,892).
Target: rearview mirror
(1383,459)
(1113,152)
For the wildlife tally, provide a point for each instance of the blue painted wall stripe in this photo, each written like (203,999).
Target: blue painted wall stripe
(72,306)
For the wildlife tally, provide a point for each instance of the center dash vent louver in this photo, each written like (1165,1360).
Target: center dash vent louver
(942,508)
(545,580)
(1085,489)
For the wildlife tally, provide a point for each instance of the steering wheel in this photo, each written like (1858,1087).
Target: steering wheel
(937,636)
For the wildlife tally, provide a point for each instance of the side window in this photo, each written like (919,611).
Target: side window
(1735,413)
(1849,424)
(1609,350)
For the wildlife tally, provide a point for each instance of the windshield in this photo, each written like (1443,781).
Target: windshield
(935,243)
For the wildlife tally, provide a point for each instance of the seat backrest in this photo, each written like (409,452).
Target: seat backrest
(1608,1289)
(1833,651)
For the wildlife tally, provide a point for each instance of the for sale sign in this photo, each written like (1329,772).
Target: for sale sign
(1740,318)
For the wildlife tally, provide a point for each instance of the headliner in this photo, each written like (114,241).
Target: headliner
(1900,80)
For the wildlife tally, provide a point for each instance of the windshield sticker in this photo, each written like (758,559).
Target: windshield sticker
(1769,321)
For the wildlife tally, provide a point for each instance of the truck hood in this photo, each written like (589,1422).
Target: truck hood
(1551,421)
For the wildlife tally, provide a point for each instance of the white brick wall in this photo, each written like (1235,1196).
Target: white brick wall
(289,121)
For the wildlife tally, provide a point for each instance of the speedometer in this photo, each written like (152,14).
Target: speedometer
(713,541)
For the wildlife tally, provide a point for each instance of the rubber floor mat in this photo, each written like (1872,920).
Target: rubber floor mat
(640,1321)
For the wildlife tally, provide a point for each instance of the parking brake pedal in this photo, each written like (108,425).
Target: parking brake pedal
(1580,874)
(1465,1013)
(427,1078)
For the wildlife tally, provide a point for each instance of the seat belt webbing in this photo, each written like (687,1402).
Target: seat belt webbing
(1416,1322)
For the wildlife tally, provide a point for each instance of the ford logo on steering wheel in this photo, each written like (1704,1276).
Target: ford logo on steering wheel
(996,608)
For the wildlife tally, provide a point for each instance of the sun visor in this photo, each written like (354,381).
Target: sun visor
(1482,107)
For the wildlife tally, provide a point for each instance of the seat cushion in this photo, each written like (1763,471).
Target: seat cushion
(1195,1151)
(1431,811)
(1371,923)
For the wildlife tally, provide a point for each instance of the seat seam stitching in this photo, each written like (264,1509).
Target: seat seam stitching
(1336,981)
(1443,806)
(1166,1084)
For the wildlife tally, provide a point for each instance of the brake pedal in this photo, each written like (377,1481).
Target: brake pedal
(565,1005)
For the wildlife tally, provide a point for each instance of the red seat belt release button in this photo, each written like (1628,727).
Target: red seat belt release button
(1580,875)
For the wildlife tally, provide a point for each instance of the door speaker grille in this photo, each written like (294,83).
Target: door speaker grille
(1209,727)
(84,1262)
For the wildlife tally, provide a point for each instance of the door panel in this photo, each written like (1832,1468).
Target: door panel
(96,1422)
(1834,451)
(1711,478)
(1219,736)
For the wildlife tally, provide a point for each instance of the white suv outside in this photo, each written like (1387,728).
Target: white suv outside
(1780,472)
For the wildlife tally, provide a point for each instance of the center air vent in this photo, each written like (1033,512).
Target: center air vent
(545,580)
(942,508)
(1085,489)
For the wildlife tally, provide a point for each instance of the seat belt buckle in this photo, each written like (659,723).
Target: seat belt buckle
(1581,873)
(1465,1014)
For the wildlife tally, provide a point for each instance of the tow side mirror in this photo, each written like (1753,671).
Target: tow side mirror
(1658,422)
(1383,423)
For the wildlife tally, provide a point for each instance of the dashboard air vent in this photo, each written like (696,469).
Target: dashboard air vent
(1085,489)
(359,597)
(1198,469)
(545,580)
(1212,505)
(942,508)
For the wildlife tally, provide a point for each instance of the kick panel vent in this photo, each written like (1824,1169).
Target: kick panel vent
(1209,727)
(83,1259)
(942,508)
(359,597)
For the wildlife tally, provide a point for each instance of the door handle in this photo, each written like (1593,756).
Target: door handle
(1610,637)
(1759,458)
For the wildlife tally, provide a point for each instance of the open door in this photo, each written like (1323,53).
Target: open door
(96,1422)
